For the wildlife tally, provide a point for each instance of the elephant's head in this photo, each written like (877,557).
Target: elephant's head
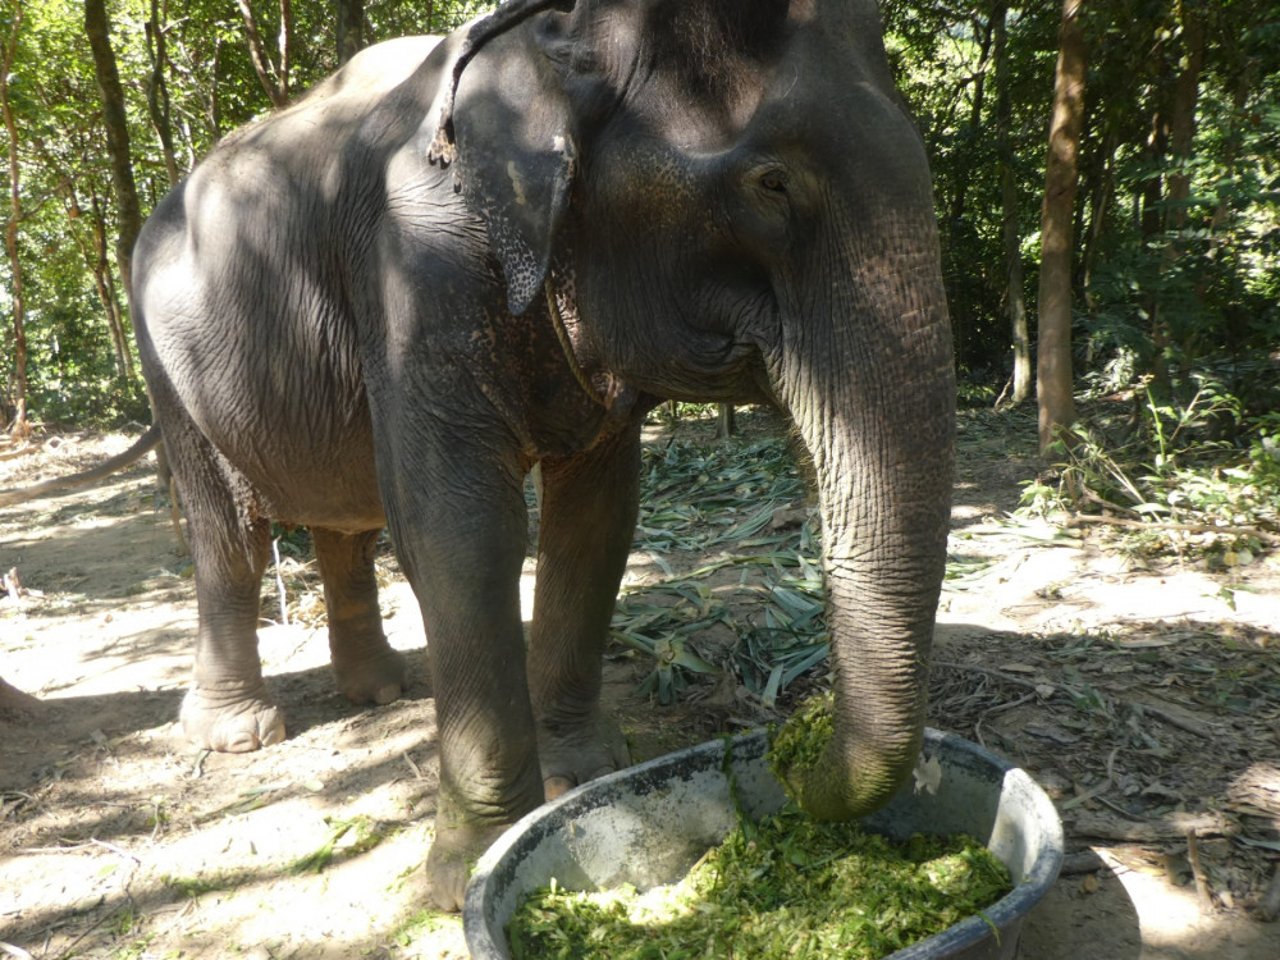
(731,203)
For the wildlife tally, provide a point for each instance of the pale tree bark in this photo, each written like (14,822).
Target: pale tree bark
(20,428)
(1053,361)
(273,77)
(1015,297)
(349,17)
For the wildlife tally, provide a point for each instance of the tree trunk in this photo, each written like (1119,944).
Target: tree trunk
(961,197)
(1054,380)
(158,88)
(105,284)
(284,46)
(275,81)
(129,216)
(113,114)
(1182,112)
(1015,297)
(20,429)
(725,425)
(1099,204)
(349,17)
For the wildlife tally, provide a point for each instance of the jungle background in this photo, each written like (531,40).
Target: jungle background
(1107,177)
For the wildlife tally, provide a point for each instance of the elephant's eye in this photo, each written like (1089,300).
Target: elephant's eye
(774,181)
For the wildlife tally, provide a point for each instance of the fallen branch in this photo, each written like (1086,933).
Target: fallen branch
(22,451)
(1086,861)
(1082,519)
(1173,827)
(1101,788)
(1176,719)
(999,675)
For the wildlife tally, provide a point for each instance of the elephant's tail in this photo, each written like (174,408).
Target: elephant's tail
(145,443)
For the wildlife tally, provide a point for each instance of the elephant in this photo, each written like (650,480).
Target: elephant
(458,259)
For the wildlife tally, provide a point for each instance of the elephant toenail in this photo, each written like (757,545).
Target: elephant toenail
(553,787)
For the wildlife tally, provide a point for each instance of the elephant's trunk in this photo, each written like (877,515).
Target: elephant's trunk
(871,389)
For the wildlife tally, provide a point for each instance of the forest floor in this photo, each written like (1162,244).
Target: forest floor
(1142,692)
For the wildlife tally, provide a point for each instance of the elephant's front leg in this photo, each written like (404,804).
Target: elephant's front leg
(588,518)
(461,540)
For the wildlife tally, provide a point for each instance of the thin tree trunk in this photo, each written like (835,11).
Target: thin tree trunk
(277,86)
(726,424)
(113,114)
(158,88)
(1182,113)
(105,284)
(1015,296)
(350,28)
(129,212)
(20,429)
(1053,362)
(960,200)
(284,46)
(215,91)
(1152,226)
(1099,204)
(94,251)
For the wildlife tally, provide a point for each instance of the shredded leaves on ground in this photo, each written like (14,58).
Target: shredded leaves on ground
(784,887)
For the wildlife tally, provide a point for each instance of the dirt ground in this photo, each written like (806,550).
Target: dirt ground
(1143,694)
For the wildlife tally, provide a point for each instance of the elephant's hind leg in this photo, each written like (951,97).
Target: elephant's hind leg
(367,670)
(227,708)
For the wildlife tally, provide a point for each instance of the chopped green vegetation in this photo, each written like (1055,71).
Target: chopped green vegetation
(786,887)
(800,742)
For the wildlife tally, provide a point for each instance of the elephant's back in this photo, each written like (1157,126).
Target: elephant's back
(373,71)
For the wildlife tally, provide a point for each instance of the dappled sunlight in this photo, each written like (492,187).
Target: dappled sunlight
(1050,650)
(1171,918)
(220,849)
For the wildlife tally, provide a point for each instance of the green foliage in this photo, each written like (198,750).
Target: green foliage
(348,836)
(1176,295)
(800,744)
(69,224)
(1167,463)
(723,496)
(784,887)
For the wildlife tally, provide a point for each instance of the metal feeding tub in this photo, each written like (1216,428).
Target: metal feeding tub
(648,824)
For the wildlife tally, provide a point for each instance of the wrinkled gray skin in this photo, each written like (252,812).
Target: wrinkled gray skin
(344,326)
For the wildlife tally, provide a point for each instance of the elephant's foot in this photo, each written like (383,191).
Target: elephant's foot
(454,853)
(231,723)
(572,756)
(379,677)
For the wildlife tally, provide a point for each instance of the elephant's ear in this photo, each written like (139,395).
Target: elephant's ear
(515,157)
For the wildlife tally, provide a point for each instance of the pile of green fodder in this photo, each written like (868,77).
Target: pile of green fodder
(799,743)
(783,887)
